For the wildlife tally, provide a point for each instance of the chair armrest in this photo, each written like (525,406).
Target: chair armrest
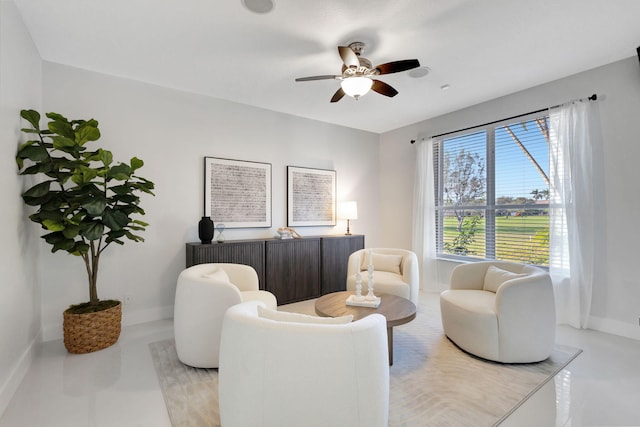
(530,294)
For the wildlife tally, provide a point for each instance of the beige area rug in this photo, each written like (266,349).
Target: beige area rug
(433,382)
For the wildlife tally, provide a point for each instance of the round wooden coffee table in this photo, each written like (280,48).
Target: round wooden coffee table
(395,309)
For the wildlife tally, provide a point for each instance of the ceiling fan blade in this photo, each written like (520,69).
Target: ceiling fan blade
(349,57)
(397,66)
(383,88)
(338,95)
(325,77)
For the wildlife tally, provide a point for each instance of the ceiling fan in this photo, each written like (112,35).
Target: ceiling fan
(357,76)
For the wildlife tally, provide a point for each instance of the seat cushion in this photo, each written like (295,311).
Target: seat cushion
(383,283)
(469,320)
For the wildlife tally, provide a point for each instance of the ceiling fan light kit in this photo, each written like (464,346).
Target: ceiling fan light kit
(356,86)
(358,74)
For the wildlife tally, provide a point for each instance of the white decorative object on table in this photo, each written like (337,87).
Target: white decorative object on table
(358,299)
(363,302)
(370,300)
(359,296)
(284,234)
(370,296)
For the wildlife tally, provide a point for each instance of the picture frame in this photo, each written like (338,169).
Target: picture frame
(237,193)
(311,197)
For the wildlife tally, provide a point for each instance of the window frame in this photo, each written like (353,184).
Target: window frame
(490,207)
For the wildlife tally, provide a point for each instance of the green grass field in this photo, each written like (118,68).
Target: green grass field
(518,238)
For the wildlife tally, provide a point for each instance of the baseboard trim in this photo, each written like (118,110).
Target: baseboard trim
(148,315)
(17,374)
(614,327)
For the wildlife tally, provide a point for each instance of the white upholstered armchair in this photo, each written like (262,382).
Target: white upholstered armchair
(395,272)
(500,311)
(288,370)
(203,294)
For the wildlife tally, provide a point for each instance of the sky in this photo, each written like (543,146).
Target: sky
(516,175)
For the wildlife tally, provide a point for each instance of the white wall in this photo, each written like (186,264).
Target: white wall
(172,131)
(615,306)
(20,87)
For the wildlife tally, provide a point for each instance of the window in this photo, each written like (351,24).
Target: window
(492,190)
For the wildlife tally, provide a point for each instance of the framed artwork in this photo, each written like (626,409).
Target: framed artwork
(311,197)
(237,193)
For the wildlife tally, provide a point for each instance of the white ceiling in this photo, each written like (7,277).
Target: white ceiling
(482,49)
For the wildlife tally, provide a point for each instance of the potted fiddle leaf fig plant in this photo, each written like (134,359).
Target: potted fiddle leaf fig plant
(85,203)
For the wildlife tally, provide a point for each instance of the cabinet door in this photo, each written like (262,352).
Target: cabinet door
(293,269)
(335,259)
(250,252)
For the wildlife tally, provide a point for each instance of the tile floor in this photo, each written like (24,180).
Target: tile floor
(118,386)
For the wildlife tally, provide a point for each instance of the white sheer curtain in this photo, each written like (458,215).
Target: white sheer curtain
(571,211)
(424,216)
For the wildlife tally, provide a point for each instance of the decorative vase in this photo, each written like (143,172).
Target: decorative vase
(86,333)
(205,230)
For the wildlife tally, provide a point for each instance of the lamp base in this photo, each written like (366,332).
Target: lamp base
(348,233)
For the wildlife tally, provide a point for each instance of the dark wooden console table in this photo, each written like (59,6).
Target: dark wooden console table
(292,269)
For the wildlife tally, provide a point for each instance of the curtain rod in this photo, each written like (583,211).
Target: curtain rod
(590,98)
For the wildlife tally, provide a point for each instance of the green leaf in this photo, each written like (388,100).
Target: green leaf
(63,143)
(120,172)
(56,116)
(144,185)
(115,220)
(106,157)
(32,116)
(121,189)
(61,127)
(71,231)
(93,231)
(135,238)
(64,245)
(27,130)
(35,153)
(37,201)
(83,175)
(38,190)
(95,206)
(38,168)
(52,225)
(80,248)
(114,236)
(87,133)
(58,241)
(136,163)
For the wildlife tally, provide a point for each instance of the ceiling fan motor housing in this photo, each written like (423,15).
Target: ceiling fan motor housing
(365,67)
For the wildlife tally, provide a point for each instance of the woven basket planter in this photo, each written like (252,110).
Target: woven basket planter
(85,333)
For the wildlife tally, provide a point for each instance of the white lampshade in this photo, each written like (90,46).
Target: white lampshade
(349,210)
(356,86)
